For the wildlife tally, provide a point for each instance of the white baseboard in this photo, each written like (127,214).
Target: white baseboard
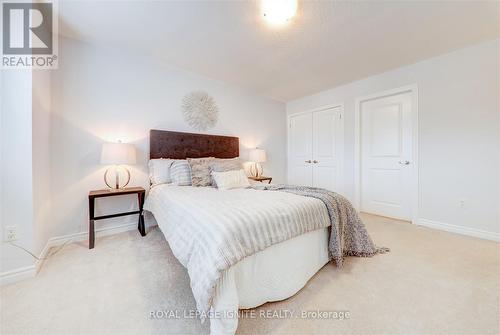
(59,240)
(30,271)
(492,236)
(16,275)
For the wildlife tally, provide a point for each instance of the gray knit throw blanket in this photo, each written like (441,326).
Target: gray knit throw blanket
(348,235)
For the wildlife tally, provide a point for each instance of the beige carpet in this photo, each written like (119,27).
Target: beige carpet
(431,283)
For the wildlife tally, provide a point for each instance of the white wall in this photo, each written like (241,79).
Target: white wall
(459,130)
(16,169)
(24,166)
(41,113)
(102,94)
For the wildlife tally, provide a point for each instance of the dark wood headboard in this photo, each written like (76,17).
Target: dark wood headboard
(177,145)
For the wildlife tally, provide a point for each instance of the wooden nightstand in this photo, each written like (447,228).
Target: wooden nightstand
(111,193)
(262,179)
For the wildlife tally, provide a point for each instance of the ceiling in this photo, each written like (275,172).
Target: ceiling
(328,43)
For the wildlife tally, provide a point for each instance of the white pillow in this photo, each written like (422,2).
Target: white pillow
(159,171)
(230,179)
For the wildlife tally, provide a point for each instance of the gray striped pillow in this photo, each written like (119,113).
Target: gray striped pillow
(180,173)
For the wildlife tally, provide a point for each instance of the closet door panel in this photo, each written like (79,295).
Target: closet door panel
(325,147)
(300,149)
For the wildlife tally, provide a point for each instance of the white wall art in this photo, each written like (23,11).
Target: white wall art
(200,110)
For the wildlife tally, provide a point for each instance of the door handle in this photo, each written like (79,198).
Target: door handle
(308,161)
(404,162)
(315,161)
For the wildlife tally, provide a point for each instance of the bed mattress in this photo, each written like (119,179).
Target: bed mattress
(275,273)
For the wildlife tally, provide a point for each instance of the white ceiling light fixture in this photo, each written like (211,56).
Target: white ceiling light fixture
(278,11)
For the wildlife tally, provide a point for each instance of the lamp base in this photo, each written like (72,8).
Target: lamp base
(117,185)
(256,170)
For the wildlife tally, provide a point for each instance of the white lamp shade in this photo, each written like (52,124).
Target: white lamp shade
(257,155)
(118,153)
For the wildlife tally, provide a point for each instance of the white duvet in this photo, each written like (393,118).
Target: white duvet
(188,215)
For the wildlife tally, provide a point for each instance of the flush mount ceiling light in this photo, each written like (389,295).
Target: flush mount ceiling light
(278,11)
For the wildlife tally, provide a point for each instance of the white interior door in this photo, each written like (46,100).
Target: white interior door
(386,155)
(300,149)
(326,150)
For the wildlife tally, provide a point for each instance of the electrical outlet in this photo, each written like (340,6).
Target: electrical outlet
(10,233)
(462,203)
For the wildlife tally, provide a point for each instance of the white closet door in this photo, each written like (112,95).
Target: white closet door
(300,150)
(386,152)
(325,146)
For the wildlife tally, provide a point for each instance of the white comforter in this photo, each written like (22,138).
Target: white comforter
(210,230)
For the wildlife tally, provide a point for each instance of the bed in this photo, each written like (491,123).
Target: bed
(276,271)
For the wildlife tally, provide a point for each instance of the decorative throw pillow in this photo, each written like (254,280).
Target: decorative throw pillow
(180,173)
(159,171)
(222,165)
(231,179)
(200,171)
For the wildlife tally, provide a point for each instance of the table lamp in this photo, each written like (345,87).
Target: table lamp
(257,156)
(117,154)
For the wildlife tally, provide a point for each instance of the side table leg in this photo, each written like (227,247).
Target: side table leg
(91,234)
(91,224)
(141,226)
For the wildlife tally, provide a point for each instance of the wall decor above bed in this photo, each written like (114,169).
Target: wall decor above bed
(200,110)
